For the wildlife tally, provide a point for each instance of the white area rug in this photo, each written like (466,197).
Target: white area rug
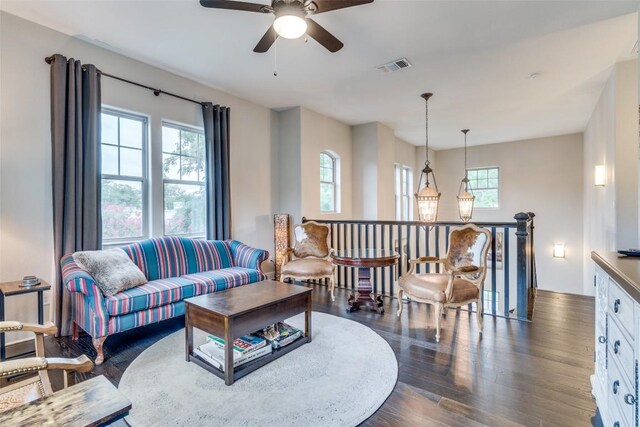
(339,379)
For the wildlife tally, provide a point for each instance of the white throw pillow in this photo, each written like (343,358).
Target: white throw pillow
(112,270)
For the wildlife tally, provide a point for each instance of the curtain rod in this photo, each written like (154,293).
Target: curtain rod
(156,92)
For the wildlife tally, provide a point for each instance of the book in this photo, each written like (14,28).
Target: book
(280,334)
(214,355)
(242,345)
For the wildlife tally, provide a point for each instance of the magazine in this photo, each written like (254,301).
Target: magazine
(280,334)
(242,345)
(214,355)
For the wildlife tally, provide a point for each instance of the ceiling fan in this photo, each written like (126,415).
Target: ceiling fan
(292,19)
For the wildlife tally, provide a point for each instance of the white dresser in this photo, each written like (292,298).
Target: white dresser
(617,347)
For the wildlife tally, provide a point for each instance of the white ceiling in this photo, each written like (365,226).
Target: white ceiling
(474,55)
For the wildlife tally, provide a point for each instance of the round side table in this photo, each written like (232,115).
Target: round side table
(364,260)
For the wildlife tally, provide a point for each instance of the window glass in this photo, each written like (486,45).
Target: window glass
(183,168)
(123,147)
(485,184)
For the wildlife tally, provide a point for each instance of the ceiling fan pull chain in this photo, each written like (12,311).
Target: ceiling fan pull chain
(275,56)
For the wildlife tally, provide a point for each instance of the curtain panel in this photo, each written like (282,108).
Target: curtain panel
(218,188)
(75,146)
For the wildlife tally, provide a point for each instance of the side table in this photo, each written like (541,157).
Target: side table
(364,260)
(8,289)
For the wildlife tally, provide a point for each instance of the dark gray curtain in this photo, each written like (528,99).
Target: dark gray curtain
(216,134)
(75,145)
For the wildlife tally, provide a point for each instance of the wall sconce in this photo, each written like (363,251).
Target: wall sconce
(281,239)
(600,176)
(558,250)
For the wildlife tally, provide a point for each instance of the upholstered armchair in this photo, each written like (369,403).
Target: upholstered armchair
(309,259)
(462,281)
(36,386)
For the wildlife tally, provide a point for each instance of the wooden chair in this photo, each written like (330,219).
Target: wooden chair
(462,282)
(310,257)
(36,386)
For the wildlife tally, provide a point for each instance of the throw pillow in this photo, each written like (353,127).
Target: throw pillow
(112,270)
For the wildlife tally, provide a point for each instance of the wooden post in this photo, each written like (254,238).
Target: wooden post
(533,279)
(522,219)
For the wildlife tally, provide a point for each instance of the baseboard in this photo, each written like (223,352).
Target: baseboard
(16,348)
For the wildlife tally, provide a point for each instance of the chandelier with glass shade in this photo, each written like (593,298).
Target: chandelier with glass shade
(427,197)
(465,193)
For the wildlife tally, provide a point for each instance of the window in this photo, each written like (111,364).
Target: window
(124,176)
(485,185)
(183,170)
(329,177)
(404,199)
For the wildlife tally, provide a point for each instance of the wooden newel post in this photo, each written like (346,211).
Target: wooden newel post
(522,220)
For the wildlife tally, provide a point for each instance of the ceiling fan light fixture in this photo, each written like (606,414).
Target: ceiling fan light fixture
(290,25)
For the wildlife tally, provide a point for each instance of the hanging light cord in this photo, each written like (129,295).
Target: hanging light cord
(465,153)
(426,116)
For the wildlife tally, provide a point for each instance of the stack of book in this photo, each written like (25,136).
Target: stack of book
(280,334)
(245,349)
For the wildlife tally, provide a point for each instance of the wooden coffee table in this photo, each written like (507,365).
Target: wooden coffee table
(243,310)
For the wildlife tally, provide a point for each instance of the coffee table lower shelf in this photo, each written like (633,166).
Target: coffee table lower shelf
(251,366)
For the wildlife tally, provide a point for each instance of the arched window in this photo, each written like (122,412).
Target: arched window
(329,182)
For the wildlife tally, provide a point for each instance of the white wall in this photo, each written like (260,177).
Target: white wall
(611,139)
(26,240)
(543,176)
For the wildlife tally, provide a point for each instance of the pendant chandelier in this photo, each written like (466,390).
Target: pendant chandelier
(428,197)
(465,194)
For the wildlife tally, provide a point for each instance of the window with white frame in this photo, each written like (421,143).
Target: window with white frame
(404,199)
(183,167)
(329,180)
(123,144)
(485,184)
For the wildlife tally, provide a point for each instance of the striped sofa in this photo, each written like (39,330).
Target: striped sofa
(176,268)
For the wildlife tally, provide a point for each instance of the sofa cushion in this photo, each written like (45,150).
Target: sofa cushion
(112,270)
(167,256)
(165,291)
(150,295)
(217,280)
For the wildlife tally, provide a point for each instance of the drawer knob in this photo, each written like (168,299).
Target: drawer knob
(629,399)
(602,339)
(616,347)
(616,305)
(616,384)
(616,424)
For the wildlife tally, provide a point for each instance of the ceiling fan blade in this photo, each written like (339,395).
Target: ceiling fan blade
(235,5)
(266,41)
(322,36)
(327,5)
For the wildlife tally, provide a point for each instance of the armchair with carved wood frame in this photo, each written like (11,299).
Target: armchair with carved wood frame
(37,386)
(310,256)
(462,282)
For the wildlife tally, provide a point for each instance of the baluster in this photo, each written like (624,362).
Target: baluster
(375,270)
(437,243)
(342,269)
(383,273)
(399,249)
(409,253)
(446,238)
(427,245)
(353,242)
(505,266)
(494,257)
(393,269)
(418,266)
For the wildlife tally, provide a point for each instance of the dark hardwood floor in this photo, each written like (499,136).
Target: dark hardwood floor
(516,373)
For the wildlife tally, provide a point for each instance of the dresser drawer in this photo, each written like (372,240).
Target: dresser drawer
(621,396)
(621,351)
(621,307)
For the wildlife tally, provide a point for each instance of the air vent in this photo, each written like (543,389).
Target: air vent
(396,65)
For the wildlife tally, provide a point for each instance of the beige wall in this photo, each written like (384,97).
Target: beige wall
(611,139)
(320,133)
(25,165)
(543,176)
